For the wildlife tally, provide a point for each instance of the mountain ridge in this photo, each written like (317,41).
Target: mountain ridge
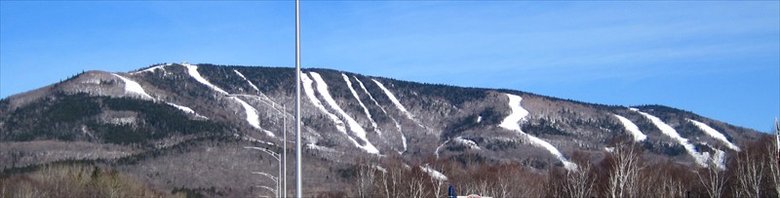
(225,108)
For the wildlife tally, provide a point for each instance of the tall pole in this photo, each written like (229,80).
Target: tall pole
(284,150)
(279,180)
(298,147)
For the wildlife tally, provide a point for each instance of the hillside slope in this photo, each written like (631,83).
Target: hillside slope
(186,126)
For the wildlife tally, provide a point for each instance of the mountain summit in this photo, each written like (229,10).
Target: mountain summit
(187,126)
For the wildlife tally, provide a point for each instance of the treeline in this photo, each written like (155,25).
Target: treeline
(66,116)
(75,181)
(623,172)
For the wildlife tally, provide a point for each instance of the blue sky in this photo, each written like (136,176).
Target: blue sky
(717,59)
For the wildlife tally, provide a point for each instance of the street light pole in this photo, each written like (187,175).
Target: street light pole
(278,158)
(284,151)
(276,192)
(298,147)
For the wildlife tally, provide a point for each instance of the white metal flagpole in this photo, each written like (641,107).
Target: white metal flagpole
(298,147)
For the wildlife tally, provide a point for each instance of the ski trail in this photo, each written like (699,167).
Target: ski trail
(251,113)
(262,97)
(132,87)
(153,69)
(365,110)
(193,71)
(354,126)
(714,134)
(251,116)
(247,81)
(667,130)
(631,128)
(518,114)
(309,90)
(369,94)
(397,125)
(438,149)
(394,100)
(186,110)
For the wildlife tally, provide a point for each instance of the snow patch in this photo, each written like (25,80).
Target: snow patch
(251,139)
(631,128)
(365,110)
(247,81)
(354,126)
(186,110)
(667,130)
(466,142)
(380,169)
(94,81)
(153,69)
(518,114)
(714,134)
(313,146)
(433,173)
(132,87)
(192,70)
(719,159)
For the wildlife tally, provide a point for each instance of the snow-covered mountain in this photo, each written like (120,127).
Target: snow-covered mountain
(184,125)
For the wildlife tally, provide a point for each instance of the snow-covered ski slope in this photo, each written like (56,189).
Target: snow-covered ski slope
(394,100)
(186,109)
(354,126)
(251,113)
(311,91)
(511,122)
(354,94)
(193,71)
(714,134)
(631,128)
(132,87)
(397,125)
(247,81)
(308,89)
(667,130)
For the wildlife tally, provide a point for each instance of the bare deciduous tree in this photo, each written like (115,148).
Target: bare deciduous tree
(365,179)
(624,173)
(579,183)
(749,173)
(773,164)
(415,186)
(437,186)
(713,179)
